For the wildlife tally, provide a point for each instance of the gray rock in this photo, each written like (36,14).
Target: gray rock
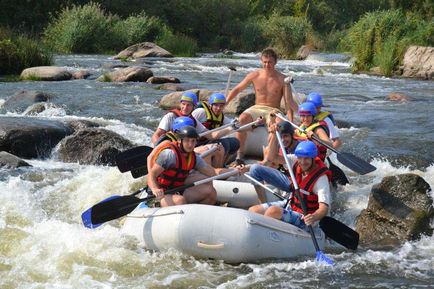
(24,98)
(9,161)
(419,62)
(93,146)
(396,96)
(133,73)
(46,73)
(144,49)
(162,79)
(30,137)
(303,52)
(171,86)
(81,74)
(81,124)
(399,209)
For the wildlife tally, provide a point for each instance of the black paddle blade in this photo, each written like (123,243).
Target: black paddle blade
(115,208)
(355,163)
(139,172)
(339,176)
(339,232)
(133,158)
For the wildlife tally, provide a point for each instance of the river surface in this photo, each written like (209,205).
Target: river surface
(44,245)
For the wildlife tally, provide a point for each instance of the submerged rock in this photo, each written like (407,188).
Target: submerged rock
(24,98)
(93,146)
(144,49)
(399,209)
(46,73)
(396,96)
(30,137)
(9,161)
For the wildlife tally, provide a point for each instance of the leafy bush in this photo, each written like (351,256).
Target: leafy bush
(287,33)
(82,29)
(251,37)
(178,44)
(18,53)
(381,38)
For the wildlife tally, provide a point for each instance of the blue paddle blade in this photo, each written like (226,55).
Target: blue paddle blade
(86,216)
(320,257)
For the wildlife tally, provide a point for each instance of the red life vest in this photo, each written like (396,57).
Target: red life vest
(299,135)
(212,121)
(175,177)
(178,113)
(307,183)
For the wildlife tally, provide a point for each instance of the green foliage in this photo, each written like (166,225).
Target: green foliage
(178,44)
(381,38)
(18,53)
(287,33)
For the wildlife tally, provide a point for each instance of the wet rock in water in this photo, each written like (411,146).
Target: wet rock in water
(113,65)
(93,146)
(303,52)
(39,107)
(24,98)
(81,74)
(399,209)
(29,137)
(46,73)
(397,96)
(133,73)
(171,86)
(9,161)
(419,62)
(241,102)
(144,49)
(342,123)
(81,124)
(162,79)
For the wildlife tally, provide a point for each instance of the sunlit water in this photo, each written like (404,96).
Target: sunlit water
(44,245)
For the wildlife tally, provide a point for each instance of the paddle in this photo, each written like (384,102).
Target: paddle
(132,158)
(117,206)
(339,176)
(331,227)
(229,79)
(349,160)
(320,256)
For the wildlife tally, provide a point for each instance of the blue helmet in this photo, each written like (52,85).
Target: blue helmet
(217,97)
(180,122)
(306,149)
(307,108)
(190,97)
(315,98)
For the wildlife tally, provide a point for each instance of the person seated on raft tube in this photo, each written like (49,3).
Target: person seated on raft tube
(307,113)
(272,170)
(170,168)
(313,179)
(326,116)
(188,101)
(270,88)
(211,116)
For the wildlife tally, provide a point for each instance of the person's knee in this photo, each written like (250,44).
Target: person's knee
(274,212)
(256,209)
(245,118)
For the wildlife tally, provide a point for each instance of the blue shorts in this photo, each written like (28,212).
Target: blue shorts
(288,216)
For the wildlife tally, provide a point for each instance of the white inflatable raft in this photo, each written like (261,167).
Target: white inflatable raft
(256,140)
(229,234)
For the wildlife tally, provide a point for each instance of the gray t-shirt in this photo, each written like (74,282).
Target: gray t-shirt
(167,160)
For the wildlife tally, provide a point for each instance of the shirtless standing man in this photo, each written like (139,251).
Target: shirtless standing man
(269,89)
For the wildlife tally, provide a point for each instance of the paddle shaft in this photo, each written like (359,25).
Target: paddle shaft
(297,189)
(228,84)
(205,133)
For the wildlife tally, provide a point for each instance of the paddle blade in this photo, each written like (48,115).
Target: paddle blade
(86,216)
(339,176)
(133,158)
(139,172)
(355,163)
(339,232)
(322,258)
(115,208)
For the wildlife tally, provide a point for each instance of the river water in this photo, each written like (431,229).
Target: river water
(44,245)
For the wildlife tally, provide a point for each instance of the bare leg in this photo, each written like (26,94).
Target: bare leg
(202,194)
(172,200)
(257,209)
(245,118)
(274,212)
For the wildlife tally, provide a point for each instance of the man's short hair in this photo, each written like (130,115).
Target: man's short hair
(269,52)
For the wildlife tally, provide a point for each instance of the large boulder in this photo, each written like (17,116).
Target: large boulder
(46,73)
(9,161)
(303,52)
(30,137)
(144,49)
(419,62)
(93,146)
(241,102)
(399,209)
(24,98)
(78,124)
(133,73)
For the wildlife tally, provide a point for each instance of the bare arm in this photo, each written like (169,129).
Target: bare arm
(290,105)
(157,134)
(323,136)
(309,219)
(154,172)
(241,86)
